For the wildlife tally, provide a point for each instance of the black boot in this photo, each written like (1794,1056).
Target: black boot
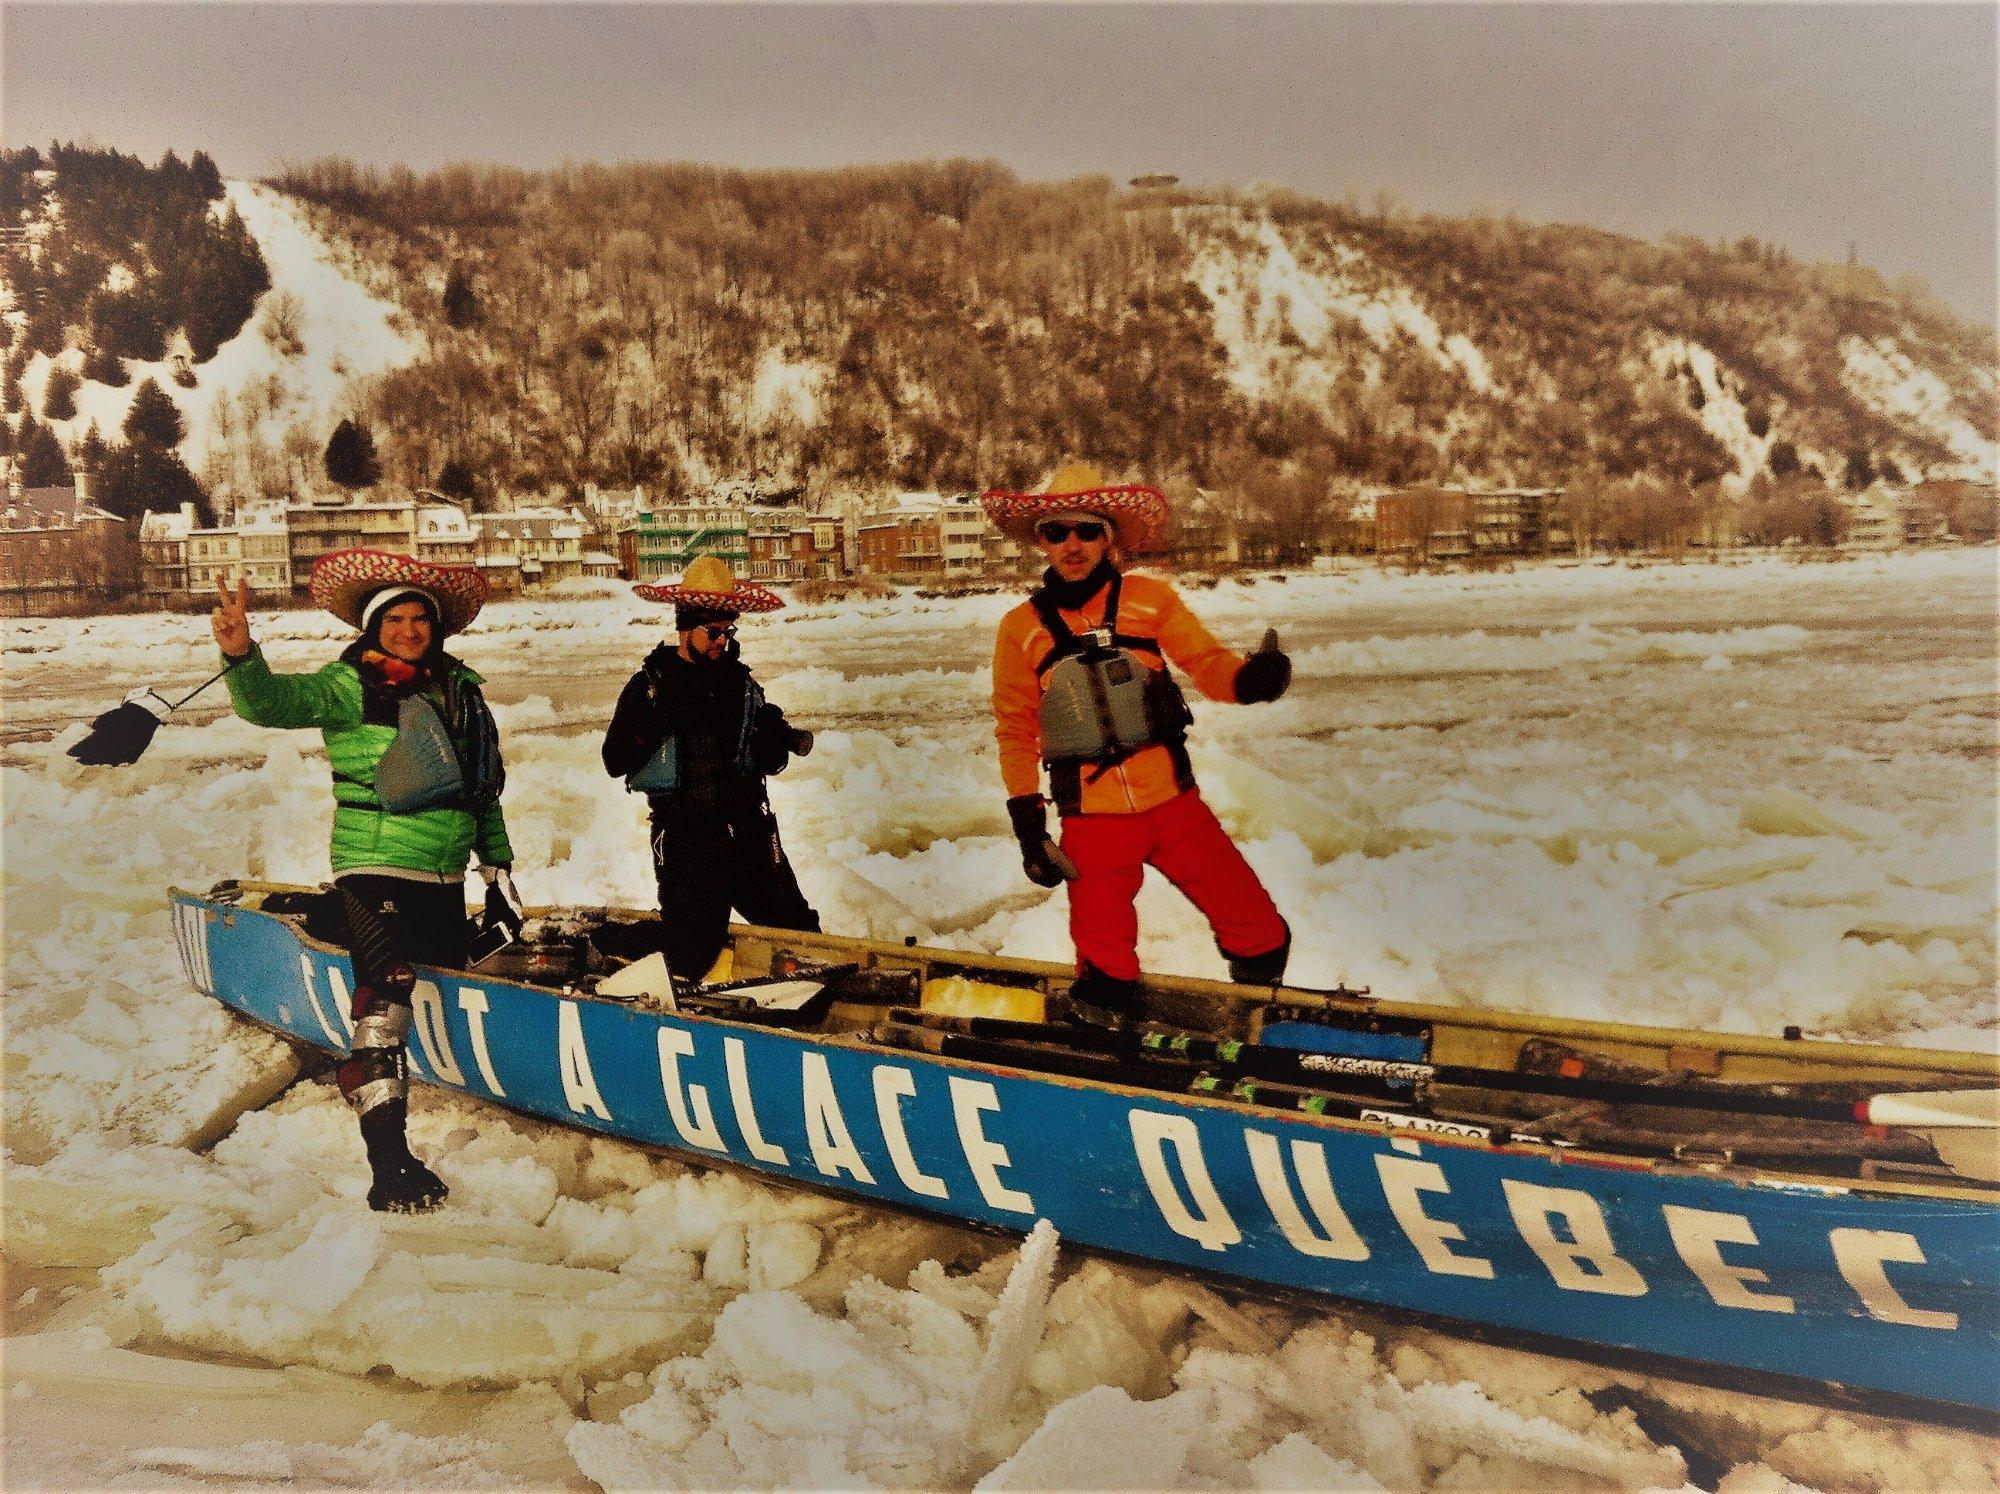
(1103,1000)
(1265,969)
(403,1185)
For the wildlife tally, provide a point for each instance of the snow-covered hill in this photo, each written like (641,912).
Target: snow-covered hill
(316,336)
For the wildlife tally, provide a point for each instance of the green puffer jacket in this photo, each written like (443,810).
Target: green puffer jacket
(438,841)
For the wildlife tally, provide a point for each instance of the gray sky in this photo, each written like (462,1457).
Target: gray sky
(1814,125)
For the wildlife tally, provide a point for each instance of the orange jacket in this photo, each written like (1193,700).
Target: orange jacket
(1147,608)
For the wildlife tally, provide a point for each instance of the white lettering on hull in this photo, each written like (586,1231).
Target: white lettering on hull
(433,1036)
(472,1001)
(578,1082)
(833,1149)
(1403,1180)
(1336,1238)
(746,1109)
(1860,1255)
(343,1004)
(1201,1217)
(1699,1235)
(984,1157)
(191,927)
(1585,1262)
(689,1109)
(312,994)
(893,1085)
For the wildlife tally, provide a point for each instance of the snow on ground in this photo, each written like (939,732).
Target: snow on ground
(1722,413)
(1734,796)
(345,334)
(1280,320)
(1884,377)
(786,390)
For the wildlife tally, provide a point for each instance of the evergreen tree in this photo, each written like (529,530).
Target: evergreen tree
(10,380)
(59,395)
(350,456)
(102,366)
(461,302)
(90,451)
(207,180)
(141,477)
(42,461)
(153,419)
(454,480)
(129,323)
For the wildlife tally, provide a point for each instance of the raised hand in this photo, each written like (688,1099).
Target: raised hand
(230,618)
(1266,674)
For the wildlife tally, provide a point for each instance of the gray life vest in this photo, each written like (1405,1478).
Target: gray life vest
(420,770)
(1101,700)
(425,766)
(661,773)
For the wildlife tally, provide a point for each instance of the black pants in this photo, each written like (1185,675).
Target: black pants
(393,920)
(708,863)
(392,924)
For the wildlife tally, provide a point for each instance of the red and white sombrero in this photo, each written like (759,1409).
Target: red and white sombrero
(709,583)
(343,581)
(1136,511)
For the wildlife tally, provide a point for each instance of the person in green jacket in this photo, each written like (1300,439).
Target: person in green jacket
(416,787)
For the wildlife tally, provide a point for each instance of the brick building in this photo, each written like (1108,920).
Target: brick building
(60,554)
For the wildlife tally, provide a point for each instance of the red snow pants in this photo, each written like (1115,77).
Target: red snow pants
(1184,840)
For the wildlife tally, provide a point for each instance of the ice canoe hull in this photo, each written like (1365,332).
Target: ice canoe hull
(1887,1293)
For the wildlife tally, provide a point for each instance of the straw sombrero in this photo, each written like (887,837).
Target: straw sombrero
(708,583)
(1137,512)
(343,580)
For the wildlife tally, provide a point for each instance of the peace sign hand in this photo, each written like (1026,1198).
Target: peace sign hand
(230,619)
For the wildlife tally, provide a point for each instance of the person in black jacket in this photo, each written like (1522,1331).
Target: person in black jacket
(693,732)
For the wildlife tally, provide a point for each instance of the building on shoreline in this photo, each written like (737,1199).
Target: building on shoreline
(1455,523)
(932,537)
(59,553)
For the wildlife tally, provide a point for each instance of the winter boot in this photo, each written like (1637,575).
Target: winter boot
(406,1188)
(1103,1000)
(1265,969)
(403,1185)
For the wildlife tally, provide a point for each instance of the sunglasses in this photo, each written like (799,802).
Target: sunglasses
(1055,531)
(716,630)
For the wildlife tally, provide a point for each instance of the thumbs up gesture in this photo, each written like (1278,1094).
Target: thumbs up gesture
(1266,674)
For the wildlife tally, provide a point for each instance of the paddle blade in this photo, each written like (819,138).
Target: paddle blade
(1973,1109)
(117,737)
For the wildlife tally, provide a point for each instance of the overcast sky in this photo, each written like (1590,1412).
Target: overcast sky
(1816,126)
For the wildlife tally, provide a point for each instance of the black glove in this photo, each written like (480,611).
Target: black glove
(503,903)
(1266,674)
(1041,858)
(774,741)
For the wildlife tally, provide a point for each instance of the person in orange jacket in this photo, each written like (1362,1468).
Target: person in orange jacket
(1081,687)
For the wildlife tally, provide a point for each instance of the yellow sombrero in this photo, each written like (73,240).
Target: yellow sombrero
(708,582)
(1137,511)
(344,580)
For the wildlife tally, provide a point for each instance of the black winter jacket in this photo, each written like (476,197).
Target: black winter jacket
(701,702)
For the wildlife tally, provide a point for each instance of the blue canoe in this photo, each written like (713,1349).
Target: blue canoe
(1693,1203)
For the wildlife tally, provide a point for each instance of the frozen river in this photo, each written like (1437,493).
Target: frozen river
(1727,796)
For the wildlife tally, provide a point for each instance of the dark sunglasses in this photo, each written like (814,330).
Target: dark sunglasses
(1055,531)
(717,630)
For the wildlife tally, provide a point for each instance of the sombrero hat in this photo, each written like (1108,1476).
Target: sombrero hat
(343,581)
(708,583)
(1137,511)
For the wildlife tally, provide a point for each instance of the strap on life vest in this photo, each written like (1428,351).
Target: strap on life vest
(1066,641)
(1066,779)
